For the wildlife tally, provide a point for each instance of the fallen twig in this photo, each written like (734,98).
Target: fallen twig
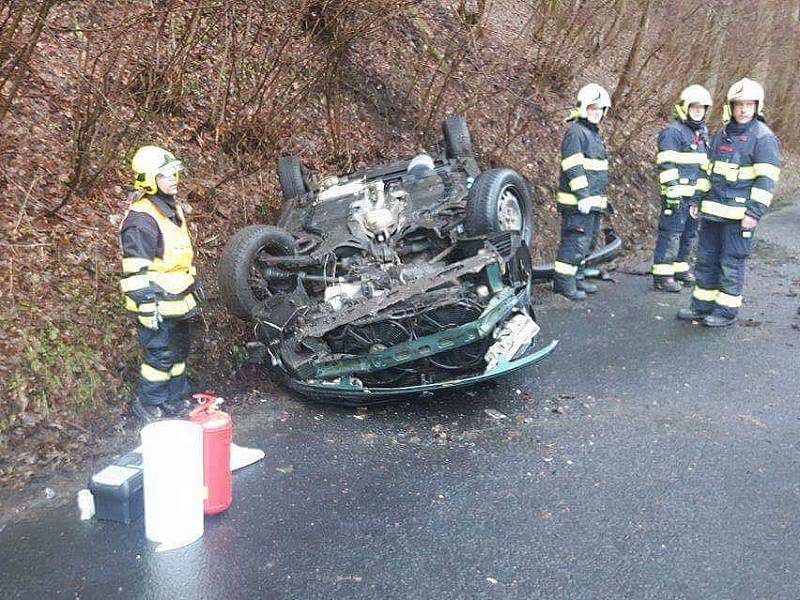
(24,202)
(76,426)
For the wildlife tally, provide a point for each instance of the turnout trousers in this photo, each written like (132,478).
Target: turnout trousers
(162,375)
(578,238)
(676,233)
(722,249)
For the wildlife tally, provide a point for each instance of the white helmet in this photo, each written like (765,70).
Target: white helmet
(694,94)
(150,161)
(745,89)
(588,95)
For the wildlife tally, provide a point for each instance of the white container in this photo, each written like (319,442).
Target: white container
(85,504)
(172,454)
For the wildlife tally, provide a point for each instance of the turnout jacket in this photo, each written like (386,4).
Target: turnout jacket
(584,168)
(744,169)
(158,274)
(682,162)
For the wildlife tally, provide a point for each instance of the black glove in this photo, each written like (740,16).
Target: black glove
(199,291)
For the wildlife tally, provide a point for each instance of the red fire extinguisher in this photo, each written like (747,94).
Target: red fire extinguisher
(217,434)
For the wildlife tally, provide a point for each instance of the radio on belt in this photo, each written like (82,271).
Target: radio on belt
(118,490)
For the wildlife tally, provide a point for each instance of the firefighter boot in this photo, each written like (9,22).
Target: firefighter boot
(176,407)
(566,286)
(664,283)
(146,412)
(688,314)
(586,286)
(715,320)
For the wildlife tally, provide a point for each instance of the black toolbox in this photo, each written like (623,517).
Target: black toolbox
(118,490)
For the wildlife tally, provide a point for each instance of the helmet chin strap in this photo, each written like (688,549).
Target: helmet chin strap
(726,113)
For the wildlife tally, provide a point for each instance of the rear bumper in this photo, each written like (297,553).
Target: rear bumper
(346,393)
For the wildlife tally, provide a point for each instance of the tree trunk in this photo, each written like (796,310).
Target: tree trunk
(633,56)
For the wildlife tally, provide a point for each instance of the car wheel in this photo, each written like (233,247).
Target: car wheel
(457,141)
(242,282)
(500,200)
(291,176)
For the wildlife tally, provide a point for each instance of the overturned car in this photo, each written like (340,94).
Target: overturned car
(396,280)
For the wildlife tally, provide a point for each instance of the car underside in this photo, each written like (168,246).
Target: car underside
(401,279)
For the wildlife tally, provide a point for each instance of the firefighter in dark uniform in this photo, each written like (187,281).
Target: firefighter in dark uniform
(160,284)
(744,168)
(682,162)
(582,191)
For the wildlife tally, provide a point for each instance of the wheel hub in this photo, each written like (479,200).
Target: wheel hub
(509,211)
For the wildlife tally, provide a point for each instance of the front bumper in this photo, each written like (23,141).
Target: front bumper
(347,393)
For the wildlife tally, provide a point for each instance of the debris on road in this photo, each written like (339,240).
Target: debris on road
(439,434)
(496,414)
(750,420)
(242,457)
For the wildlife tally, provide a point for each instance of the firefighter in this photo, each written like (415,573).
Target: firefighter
(682,163)
(744,168)
(582,191)
(160,284)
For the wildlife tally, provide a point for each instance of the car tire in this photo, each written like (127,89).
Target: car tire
(237,261)
(291,176)
(457,140)
(497,200)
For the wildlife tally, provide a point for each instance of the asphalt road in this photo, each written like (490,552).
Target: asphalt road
(647,458)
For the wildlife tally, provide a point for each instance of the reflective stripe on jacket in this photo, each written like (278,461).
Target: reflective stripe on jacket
(744,170)
(682,162)
(584,167)
(148,278)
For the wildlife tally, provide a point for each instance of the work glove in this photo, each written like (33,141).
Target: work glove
(199,291)
(673,203)
(584,206)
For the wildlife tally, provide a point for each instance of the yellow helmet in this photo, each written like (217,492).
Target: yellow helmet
(744,89)
(150,161)
(588,95)
(694,94)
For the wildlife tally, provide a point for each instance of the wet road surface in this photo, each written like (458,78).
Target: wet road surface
(647,458)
